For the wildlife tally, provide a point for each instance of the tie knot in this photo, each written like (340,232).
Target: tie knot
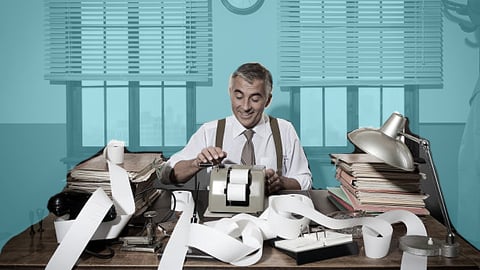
(249,134)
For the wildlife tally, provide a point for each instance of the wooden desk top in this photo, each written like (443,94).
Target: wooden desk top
(26,251)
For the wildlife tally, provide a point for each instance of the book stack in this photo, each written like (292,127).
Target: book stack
(370,185)
(93,173)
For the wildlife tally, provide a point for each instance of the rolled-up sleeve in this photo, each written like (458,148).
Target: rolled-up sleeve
(197,142)
(295,163)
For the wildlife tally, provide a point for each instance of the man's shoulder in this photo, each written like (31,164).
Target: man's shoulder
(212,124)
(283,123)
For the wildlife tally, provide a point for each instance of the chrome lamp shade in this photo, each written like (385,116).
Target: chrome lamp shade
(385,143)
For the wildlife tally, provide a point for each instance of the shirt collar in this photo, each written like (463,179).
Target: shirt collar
(260,129)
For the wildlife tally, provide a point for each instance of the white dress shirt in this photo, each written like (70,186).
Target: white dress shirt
(295,163)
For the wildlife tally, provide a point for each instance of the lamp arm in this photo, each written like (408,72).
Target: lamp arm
(425,144)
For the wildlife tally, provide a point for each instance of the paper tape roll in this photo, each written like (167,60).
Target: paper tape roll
(236,192)
(115,151)
(239,176)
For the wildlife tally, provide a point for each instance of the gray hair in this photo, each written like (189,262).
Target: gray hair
(254,71)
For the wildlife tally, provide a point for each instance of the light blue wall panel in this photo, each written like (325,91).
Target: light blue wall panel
(29,105)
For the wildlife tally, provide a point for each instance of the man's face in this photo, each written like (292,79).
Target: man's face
(248,101)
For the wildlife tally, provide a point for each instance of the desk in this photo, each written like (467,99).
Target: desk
(33,252)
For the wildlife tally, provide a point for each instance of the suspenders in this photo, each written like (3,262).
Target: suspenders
(220,132)
(276,139)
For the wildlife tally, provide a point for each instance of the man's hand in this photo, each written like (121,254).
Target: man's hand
(186,169)
(213,155)
(275,183)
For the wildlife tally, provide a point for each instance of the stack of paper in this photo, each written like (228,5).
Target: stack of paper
(368,184)
(93,173)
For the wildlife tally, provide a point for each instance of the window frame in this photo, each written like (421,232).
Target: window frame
(411,110)
(76,152)
(68,63)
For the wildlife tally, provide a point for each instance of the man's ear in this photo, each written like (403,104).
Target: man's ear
(269,99)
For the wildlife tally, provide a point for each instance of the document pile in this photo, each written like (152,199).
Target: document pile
(93,173)
(369,185)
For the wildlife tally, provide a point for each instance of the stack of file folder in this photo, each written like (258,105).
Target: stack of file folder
(370,185)
(93,173)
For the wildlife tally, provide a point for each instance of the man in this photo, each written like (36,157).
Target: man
(250,90)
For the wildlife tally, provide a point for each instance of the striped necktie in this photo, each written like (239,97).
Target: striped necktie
(248,154)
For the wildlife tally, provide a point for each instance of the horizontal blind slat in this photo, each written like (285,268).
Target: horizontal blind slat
(143,39)
(350,42)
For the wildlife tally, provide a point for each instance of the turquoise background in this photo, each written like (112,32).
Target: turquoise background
(33,116)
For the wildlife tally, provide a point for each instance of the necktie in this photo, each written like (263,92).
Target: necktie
(248,154)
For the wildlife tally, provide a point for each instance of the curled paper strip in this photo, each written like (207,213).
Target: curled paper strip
(124,204)
(177,249)
(81,231)
(74,235)
(281,219)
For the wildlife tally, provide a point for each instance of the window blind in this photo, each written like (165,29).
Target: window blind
(141,40)
(361,43)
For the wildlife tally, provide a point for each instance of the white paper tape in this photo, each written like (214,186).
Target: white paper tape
(197,240)
(236,192)
(239,176)
(176,249)
(81,231)
(124,205)
(121,190)
(114,151)
(75,234)
(239,240)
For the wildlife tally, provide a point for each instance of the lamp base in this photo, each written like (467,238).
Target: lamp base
(427,246)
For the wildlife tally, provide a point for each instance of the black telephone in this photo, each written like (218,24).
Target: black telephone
(71,202)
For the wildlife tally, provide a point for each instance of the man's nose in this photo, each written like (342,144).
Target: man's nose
(246,105)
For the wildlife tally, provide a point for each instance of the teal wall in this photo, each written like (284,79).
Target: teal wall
(32,111)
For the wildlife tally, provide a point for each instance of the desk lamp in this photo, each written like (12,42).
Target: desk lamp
(387,144)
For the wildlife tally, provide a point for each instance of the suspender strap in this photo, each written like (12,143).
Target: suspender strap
(220,132)
(278,144)
(277,140)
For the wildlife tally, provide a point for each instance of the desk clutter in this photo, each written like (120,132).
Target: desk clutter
(238,240)
(372,186)
(93,173)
